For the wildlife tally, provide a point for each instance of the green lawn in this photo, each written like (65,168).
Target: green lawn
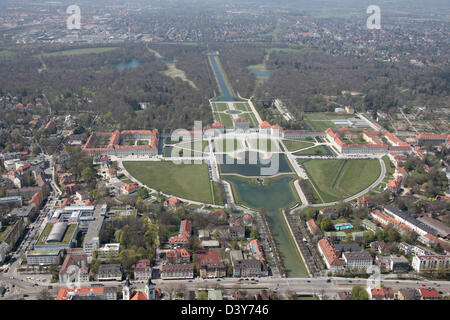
(188,181)
(193,148)
(78,51)
(220,106)
(337,179)
(315,150)
(226,119)
(5,54)
(251,118)
(242,106)
(293,145)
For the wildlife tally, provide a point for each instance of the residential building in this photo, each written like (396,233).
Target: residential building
(357,260)
(256,249)
(313,227)
(129,188)
(108,272)
(430,262)
(184,235)
(429,294)
(408,294)
(383,293)
(177,271)
(88,293)
(441,229)
(213,270)
(249,268)
(108,250)
(398,264)
(142,270)
(330,256)
(179,255)
(237,228)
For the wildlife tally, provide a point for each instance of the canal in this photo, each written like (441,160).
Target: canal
(273,197)
(226,94)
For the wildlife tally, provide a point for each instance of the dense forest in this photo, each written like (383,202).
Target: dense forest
(91,82)
(306,79)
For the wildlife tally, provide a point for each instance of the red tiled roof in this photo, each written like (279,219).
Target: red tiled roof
(64,293)
(265,124)
(139,295)
(329,252)
(429,293)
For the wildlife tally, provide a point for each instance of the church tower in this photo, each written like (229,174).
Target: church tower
(150,289)
(126,290)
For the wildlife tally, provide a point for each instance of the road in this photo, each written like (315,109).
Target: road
(311,286)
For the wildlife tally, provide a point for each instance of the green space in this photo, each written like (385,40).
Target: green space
(190,148)
(319,150)
(5,232)
(67,235)
(293,145)
(217,194)
(242,106)
(251,119)
(220,106)
(336,179)
(72,52)
(188,181)
(250,164)
(226,119)
(273,197)
(142,142)
(6,54)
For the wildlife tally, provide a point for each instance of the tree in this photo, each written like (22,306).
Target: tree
(359,293)
(202,295)
(44,294)
(254,234)
(326,224)
(393,235)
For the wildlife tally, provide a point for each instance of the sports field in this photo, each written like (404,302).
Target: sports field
(335,179)
(188,181)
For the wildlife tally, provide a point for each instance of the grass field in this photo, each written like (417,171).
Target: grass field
(6,54)
(193,148)
(319,150)
(188,181)
(251,119)
(226,119)
(220,106)
(72,52)
(242,106)
(293,145)
(335,179)
(173,72)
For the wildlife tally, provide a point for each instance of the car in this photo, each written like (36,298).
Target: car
(218,280)
(349,281)
(328,280)
(424,285)
(239,280)
(308,281)
(190,281)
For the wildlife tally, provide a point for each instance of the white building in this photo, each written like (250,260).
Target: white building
(430,262)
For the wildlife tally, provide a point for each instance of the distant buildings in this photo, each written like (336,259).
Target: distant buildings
(184,235)
(123,143)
